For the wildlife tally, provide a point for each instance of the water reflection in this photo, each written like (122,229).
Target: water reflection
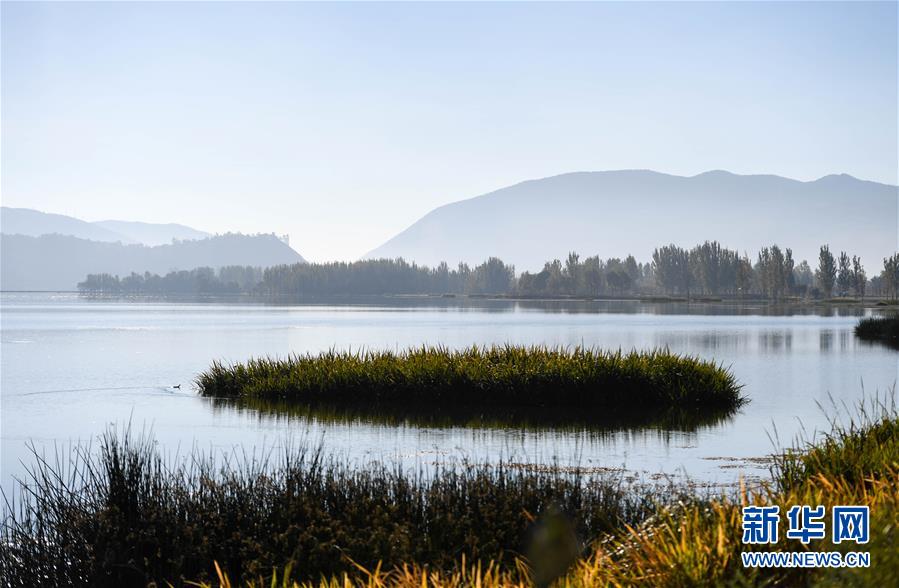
(776,340)
(887,343)
(525,419)
(847,340)
(647,305)
(72,366)
(825,339)
(730,341)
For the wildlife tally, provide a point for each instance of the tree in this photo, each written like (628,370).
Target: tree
(591,276)
(803,278)
(491,277)
(826,273)
(706,261)
(789,280)
(743,277)
(770,272)
(803,274)
(776,273)
(572,272)
(632,268)
(727,272)
(619,281)
(859,279)
(671,266)
(844,274)
(890,275)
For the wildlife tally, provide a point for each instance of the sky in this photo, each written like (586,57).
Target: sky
(341,124)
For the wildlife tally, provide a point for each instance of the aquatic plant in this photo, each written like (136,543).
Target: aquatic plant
(697,542)
(645,383)
(859,451)
(882,328)
(125,516)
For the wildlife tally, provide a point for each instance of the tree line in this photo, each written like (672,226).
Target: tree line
(202,280)
(370,277)
(708,269)
(713,270)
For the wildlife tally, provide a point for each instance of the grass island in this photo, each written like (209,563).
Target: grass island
(884,329)
(484,378)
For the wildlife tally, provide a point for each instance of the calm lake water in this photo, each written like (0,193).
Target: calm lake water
(72,367)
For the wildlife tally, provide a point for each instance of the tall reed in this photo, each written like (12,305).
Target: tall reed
(576,379)
(697,542)
(125,516)
(882,328)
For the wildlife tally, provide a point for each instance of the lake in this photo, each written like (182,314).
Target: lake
(72,367)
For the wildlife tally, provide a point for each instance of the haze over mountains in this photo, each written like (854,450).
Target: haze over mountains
(152,233)
(611,214)
(616,213)
(25,221)
(42,251)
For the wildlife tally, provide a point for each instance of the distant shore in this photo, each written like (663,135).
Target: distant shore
(868,302)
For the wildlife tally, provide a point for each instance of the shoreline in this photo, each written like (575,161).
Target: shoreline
(724,301)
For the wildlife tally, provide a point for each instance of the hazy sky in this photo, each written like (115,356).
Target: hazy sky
(341,124)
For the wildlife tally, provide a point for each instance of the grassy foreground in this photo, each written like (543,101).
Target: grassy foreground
(695,542)
(577,379)
(124,517)
(884,329)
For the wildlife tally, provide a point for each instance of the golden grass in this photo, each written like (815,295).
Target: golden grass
(699,543)
(692,546)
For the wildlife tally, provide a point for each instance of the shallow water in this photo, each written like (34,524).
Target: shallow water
(72,367)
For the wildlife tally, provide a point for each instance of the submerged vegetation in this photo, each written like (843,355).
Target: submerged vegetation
(125,517)
(651,385)
(884,329)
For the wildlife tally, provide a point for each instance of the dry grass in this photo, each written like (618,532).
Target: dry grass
(698,543)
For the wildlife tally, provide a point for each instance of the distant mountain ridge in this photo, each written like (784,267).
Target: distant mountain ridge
(59,262)
(616,213)
(45,251)
(34,223)
(153,233)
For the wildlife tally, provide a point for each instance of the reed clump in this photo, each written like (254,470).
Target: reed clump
(698,542)
(882,328)
(125,516)
(648,383)
(860,451)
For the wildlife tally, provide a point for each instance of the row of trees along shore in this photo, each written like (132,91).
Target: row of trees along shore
(708,270)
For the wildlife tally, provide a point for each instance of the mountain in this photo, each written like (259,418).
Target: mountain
(152,233)
(616,213)
(59,262)
(24,221)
